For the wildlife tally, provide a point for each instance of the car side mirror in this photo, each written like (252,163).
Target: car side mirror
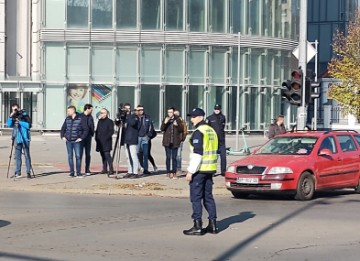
(325,152)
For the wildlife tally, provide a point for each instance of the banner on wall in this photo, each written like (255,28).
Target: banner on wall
(100,98)
(77,95)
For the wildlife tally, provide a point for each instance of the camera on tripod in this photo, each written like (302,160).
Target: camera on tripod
(18,114)
(120,115)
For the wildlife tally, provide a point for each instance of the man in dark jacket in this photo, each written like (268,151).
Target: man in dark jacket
(86,143)
(172,128)
(73,131)
(103,138)
(145,131)
(277,127)
(218,121)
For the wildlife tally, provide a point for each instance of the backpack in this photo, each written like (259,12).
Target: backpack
(152,131)
(185,130)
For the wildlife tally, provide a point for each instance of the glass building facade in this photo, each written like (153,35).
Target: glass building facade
(161,53)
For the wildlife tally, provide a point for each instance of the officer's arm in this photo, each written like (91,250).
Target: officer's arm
(195,161)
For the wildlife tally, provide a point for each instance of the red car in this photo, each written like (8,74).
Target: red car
(299,163)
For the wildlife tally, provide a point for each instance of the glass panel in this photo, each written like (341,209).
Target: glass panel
(150,65)
(196,66)
(236,16)
(214,96)
(9,99)
(254,67)
(55,13)
(231,116)
(174,66)
(77,13)
(150,14)
(102,64)
(217,16)
(252,108)
(54,62)
(126,94)
(173,97)
(174,15)
(77,95)
(29,100)
(197,15)
(78,63)
(151,106)
(126,14)
(276,103)
(254,17)
(102,13)
(101,96)
(265,108)
(54,118)
(267,19)
(195,98)
(217,67)
(126,64)
(278,19)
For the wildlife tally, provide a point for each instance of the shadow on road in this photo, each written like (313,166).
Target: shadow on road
(4,223)
(24,257)
(230,253)
(48,174)
(226,222)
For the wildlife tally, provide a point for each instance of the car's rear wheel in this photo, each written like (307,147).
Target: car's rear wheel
(357,188)
(306,187)
(238,194)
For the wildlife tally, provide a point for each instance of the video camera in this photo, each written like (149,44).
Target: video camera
(120,115)
(18,114)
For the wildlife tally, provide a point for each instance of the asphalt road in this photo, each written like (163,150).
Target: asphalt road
(40,226)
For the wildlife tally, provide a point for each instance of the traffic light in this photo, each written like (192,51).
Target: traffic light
(310,90)
(292,88)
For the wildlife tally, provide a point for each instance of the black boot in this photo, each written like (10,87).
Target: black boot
(212,227)
(196,230)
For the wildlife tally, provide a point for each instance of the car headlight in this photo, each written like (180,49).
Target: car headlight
(231,169)
(280,170)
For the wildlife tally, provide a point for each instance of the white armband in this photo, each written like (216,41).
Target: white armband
(195,162)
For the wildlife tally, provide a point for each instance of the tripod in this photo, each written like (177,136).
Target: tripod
(117,148)
(25,148)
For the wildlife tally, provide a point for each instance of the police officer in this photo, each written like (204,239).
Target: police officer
(202,166)
(218,121)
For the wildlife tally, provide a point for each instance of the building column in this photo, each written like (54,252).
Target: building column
(2,40)
(35,45)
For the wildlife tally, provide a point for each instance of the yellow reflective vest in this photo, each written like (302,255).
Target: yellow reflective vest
(210,147)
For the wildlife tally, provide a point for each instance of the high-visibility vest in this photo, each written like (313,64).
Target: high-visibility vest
(210,147)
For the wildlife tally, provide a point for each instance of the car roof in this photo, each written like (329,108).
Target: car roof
(316,134)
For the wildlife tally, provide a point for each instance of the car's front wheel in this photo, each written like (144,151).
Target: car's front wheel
(238,194)
(306,187)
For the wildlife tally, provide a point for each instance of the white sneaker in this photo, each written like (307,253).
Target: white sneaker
(141,170)
(155,169)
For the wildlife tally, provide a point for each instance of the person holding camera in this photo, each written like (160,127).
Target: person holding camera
(73,131)
(103,138)
(172,128)
(21,124)
(86,143)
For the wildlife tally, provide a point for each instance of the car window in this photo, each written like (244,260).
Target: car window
(346,143)
(357,138)
(288,146)
(329,143)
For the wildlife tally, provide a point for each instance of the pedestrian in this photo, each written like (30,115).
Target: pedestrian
(217,121)
(150,157)
(172,128)
(277,127)
(202,166)
(73,131)
(131,139)
(145,132)
(103,138)
(20,135)
(86,143)
(183,135)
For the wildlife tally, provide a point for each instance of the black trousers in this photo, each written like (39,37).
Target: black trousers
(106,161)
(150,157)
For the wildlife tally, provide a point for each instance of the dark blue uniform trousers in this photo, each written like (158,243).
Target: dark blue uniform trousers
(201,190)
(222,152)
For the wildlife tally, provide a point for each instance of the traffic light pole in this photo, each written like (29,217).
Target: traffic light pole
(301,112)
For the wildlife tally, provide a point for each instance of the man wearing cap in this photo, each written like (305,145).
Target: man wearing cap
(202,166)
(218,121)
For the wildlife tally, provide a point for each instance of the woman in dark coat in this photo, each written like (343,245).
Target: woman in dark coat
(103,138)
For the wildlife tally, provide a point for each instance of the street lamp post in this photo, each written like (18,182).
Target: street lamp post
(238,95)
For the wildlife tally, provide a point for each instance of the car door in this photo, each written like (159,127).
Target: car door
(349,158)
(327,166)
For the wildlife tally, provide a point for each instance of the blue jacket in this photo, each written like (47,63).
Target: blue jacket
(73,129)
(131,129)
(21,132)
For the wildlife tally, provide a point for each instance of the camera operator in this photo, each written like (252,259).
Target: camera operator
(21,124)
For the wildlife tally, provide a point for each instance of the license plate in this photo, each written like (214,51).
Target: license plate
(248,180)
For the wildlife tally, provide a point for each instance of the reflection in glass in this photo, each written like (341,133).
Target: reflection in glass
(217,16)
(77,13)
(101,13)
(174,65)
(151,106)
(197,15)
(150,14)
(217,66)
(150,65)
(126,64)
(215,96)
(196,66)
(265,108)
(126,94)
(174,15)
(173,98)
(126,13)
(236,16)
(254,17)
(195,98)
(252,108)
(268,16)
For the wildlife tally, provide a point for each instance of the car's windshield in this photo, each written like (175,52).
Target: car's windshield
(288,146)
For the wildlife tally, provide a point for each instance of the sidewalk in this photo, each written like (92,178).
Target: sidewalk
(49,160)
